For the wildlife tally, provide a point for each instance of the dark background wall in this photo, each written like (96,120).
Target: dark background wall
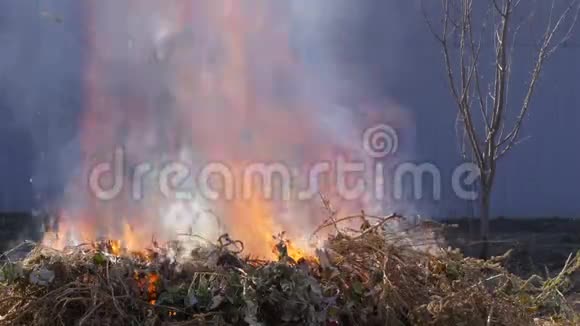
(40,98)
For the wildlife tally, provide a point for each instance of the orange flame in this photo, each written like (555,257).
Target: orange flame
(148,284)
(116,247)
(153,279)
(234,97)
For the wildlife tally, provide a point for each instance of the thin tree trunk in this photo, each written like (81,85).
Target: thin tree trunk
(484,220)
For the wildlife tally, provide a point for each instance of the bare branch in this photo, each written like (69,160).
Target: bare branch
(430,24)
(500,82)
(461,99)
(543,54)
(475,51)
(497,7)
(568,33)
(516,5)
(513,43)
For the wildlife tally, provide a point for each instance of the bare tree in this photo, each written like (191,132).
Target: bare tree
(478,46)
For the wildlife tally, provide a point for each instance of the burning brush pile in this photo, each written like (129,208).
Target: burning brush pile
(368,276)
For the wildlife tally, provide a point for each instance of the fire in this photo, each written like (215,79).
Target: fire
(292,251)
(116,247)
(284,247)
(255,228)
(72,233)
(211,81)
(148,283)
(153,278)
(298,254)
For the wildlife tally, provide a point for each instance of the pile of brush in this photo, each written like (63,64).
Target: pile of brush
(371,276)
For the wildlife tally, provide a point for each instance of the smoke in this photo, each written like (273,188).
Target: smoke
(195,82)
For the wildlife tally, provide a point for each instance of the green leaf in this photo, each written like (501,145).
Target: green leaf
(11,272)
(99,259)
(358,288)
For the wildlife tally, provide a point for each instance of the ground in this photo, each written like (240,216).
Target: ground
(539,245)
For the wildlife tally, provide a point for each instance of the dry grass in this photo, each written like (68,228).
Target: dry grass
(360,277)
